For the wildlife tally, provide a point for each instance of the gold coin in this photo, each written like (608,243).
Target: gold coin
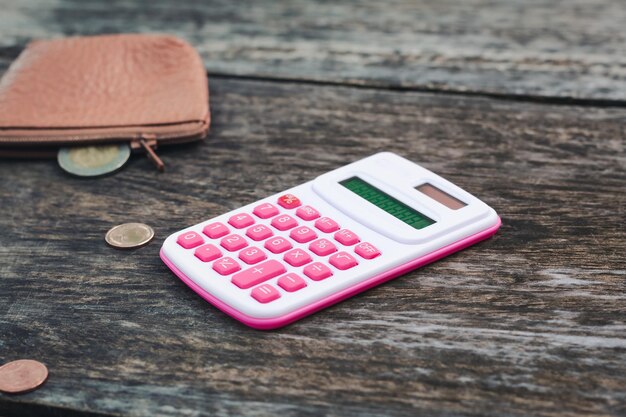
(91,161)
(22,376)
(129,235)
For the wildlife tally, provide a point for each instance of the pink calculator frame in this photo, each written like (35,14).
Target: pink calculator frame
(275,322)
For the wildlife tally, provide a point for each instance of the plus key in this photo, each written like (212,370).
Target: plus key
(258,274)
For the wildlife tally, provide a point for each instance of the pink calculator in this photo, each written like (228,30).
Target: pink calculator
(286,256)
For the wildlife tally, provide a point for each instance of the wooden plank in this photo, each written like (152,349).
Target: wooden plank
(547,48)
(531,322)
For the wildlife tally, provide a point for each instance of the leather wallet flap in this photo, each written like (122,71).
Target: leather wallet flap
(104,88)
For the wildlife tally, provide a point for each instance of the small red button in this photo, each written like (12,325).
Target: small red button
(289,201)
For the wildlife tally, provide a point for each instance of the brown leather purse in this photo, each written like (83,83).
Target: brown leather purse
(147,90)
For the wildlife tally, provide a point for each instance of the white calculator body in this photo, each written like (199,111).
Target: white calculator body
(284,257)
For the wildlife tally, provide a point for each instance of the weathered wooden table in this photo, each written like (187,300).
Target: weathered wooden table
(522,104)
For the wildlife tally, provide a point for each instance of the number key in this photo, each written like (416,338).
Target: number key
(233,242)
(259,232)
(302,234)
(215,230)
(190,240)
(241,220)
(277,245)
(252,255)
(284,222)
(265,211)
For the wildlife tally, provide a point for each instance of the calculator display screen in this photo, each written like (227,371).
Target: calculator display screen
(384,201)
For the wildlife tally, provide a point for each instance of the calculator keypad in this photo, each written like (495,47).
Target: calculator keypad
(279,233)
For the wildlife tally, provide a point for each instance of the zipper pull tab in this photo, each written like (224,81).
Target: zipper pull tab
(148,143)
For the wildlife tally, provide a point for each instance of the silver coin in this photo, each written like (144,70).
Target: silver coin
(91,161)
(129,235)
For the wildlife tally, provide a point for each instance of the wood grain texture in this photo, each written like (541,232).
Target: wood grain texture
(530,322)
(547,48)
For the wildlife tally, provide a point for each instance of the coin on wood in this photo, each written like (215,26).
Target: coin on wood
(22,376)
(91,161)
(129,235)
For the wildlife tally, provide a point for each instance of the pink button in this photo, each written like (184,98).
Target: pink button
(207,253)
(241,220)
(317,271)
(307,213)
(326,224)
(215,230)
(342,260)
(297,257)
(277,245)
(265,211)
(190,240)
(252,255)
(303,234)
(289,201)
(366,250)
(258,274)
(233,242)
(259,232)
(291,282)
(346,237)
(265,293)
(284,222)
(226,266)
(322,247)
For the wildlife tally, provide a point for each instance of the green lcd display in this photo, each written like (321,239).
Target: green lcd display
(384,201)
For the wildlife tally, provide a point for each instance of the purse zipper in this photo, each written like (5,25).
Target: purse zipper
(148,143)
